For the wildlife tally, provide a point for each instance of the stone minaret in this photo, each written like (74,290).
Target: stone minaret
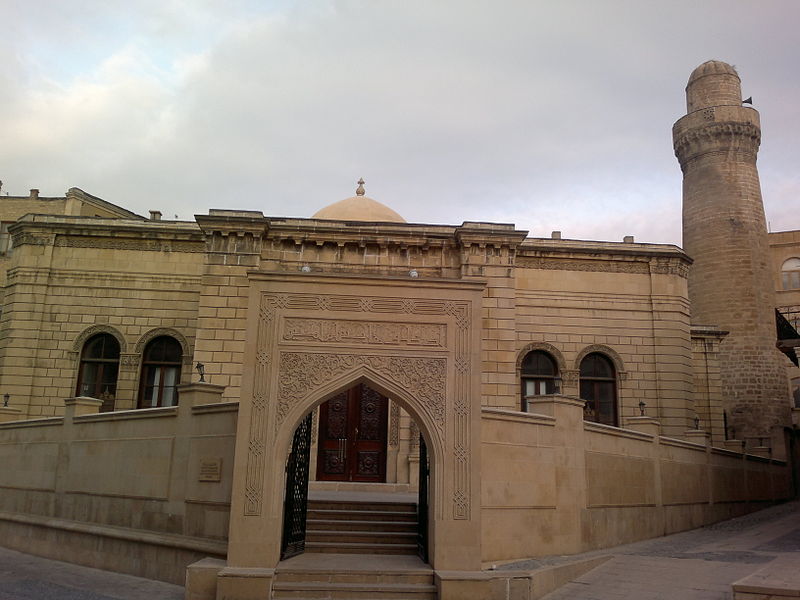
(724,231)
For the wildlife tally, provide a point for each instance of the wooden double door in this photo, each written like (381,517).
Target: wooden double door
(352,436)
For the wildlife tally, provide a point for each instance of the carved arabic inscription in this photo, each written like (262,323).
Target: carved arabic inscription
(359,332)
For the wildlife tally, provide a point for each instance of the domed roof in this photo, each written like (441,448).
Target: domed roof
(713,67)
(359,208)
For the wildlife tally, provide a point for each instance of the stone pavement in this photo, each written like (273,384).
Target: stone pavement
(694,565)
(701,564)
(25,577)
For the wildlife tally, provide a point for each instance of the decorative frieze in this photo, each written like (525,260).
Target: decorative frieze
(378,333)
(301,373)
(590,265)
(745,137)
(113,243)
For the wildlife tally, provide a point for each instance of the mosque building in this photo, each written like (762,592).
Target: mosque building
(216,394)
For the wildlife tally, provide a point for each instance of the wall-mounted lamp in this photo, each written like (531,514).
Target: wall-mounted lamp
(201,370)
(642,406)
(5,399)
(697,422)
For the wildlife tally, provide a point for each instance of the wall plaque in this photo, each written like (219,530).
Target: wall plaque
(210,469)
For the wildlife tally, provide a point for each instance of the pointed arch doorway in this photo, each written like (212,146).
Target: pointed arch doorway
(352,447)
(312,336)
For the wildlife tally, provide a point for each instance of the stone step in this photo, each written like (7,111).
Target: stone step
(360,548)
(360,515)
(399,507)
(417,576)
(353,591)
(354,537)
(337,524)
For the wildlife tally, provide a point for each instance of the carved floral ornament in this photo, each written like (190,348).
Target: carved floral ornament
(302,373)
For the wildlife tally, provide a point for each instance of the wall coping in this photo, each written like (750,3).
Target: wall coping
(505,414)
(668,441)
(216,407)
(124,415)
(43,422)
(725,452)
(616,431)
(170,540)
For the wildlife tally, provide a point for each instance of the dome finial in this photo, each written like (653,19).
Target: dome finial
(360,189)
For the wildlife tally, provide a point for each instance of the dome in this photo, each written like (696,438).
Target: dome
(359,208)
(712,67)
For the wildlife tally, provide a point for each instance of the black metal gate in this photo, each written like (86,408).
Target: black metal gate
(422,503)
(295,503)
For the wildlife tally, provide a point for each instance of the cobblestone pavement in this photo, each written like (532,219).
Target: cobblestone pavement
(26,577)
(694,565)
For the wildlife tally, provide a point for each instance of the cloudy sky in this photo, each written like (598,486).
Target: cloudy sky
(550,115)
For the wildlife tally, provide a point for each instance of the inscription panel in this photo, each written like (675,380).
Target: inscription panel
(373,333)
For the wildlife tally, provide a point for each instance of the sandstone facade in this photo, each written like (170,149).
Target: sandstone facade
(570,394)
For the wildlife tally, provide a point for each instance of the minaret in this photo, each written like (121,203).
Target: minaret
(724,231)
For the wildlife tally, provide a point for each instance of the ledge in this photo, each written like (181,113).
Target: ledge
(666,441)
(516,416)
(44,422)
(124,415)
(617,431)
(217,407)
(120,533)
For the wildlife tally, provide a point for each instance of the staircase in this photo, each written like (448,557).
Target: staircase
(351,527)
(343,582)
(357,550)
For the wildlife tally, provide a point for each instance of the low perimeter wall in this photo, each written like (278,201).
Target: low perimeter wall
(145,492)
(555,484)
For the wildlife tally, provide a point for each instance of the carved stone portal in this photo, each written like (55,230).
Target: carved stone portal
(302,345)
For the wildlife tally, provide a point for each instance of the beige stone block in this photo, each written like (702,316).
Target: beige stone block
(201,579)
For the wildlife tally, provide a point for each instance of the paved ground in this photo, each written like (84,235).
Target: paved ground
(694,565)
(25,577)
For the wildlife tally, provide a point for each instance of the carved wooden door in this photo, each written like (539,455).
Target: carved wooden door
(352,436)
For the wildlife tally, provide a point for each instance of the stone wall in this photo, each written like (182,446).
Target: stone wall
(143,492)
(555,484)
(70,280)
(632,308)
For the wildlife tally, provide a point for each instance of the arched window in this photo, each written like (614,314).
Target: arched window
(599,389)
(539,374)
(790,274)
(161,373)
(97,377)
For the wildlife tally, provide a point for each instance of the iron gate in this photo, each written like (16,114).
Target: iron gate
(422,503)
(295,503)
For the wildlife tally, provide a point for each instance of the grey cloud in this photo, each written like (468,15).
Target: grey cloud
(552,116)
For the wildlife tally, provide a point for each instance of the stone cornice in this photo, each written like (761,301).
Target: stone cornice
(648,257)
(89,232)
(643,260)
(93,226)
(708,331)
(716,129)
(229,222)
